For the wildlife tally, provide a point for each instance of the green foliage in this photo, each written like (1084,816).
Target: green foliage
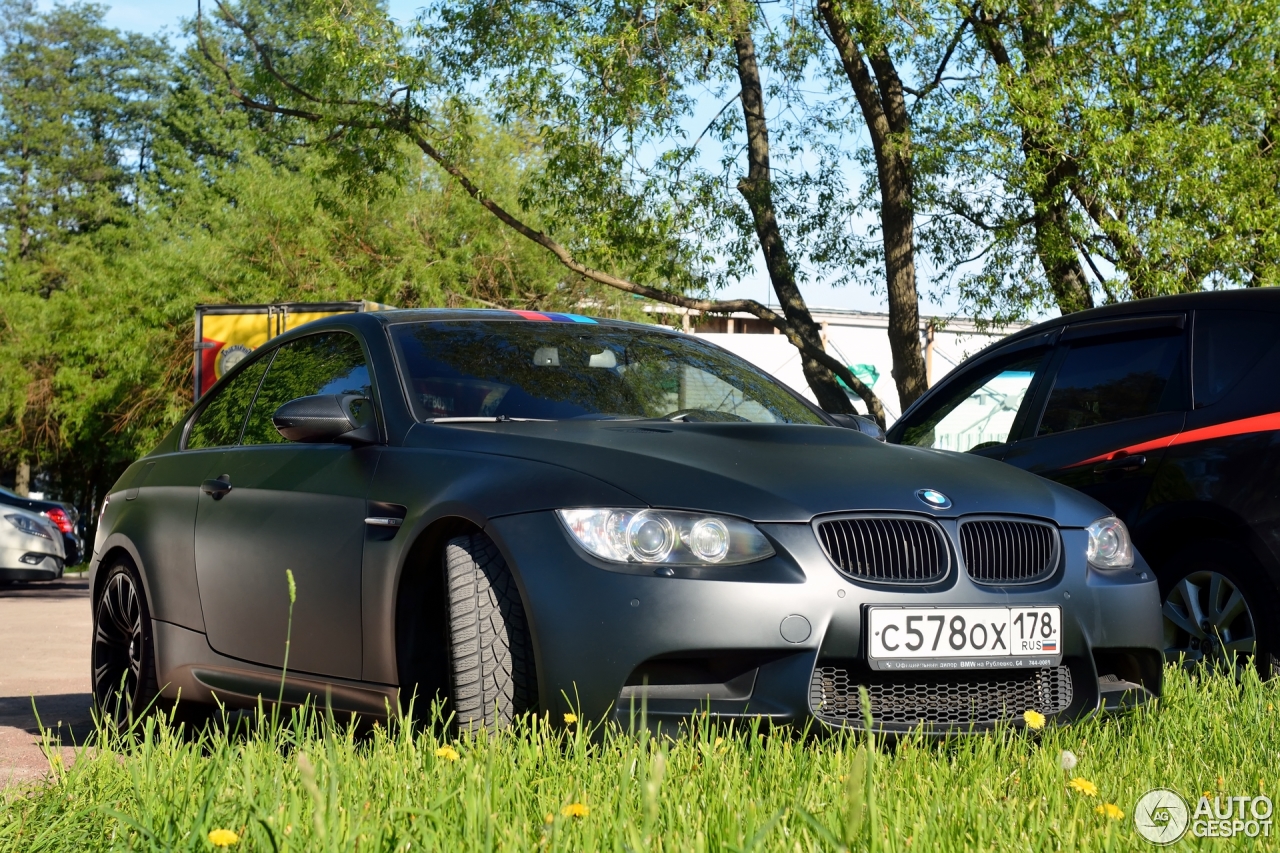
(159,193)
(313,785)
(1151,120)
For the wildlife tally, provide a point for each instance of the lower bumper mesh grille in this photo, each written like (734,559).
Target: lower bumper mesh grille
(938,699)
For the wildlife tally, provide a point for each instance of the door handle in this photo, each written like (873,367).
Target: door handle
(217,488)
(1130,462)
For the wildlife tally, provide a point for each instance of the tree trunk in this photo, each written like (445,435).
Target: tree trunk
(22,479)
(884,109)
(1057,251)
(756,188)
(1055,248)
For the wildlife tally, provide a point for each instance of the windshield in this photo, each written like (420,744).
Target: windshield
(560,371)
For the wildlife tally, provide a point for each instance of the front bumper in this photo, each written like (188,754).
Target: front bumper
(23,564)
(759,640)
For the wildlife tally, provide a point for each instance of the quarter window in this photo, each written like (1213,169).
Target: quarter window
(1227,346)
(1115,380)
(978,414)
(219,422)
(330,363)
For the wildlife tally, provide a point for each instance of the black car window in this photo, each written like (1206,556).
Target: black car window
(978,411)
(330,363)
(558,371)
(220,420)
(1227,345)
(1109,380)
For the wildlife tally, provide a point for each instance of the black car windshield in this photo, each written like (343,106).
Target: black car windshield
(561,371)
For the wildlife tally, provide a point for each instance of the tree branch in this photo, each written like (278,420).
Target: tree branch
(401,122)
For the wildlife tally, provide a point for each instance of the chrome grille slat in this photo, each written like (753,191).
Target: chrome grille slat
(887,549)
(1008,551)
(946,700)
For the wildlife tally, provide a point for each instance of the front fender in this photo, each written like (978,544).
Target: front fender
(438,485)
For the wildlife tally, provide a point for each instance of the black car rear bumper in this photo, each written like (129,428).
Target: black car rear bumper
(786,642)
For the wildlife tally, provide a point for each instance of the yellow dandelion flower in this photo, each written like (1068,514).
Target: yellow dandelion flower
(570,718)
(1110,810)
(448,753)
(222,837)
(1220,782)
(1033,719)
(575,810)
(550,818)
(1084,786)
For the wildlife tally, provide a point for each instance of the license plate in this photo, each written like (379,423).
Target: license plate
(963,637)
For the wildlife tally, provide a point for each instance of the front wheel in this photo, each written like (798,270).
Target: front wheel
(123,655)
(1217,612)
(492,677)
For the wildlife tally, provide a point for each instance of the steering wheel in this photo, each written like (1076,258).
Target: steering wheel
(703,416)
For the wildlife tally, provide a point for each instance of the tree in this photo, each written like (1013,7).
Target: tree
(74,142)
(1128,142)
(351,76)
(866,39)
(95,347)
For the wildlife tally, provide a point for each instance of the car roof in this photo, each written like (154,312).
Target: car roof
(427,315)
(1244,299)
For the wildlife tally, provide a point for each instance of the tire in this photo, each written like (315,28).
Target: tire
(492,679)
(123,667)
(1219,610)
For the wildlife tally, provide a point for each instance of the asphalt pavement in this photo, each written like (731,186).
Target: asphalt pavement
(45,633)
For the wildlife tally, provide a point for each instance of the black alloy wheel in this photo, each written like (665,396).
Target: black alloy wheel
(123,658)
(1211,615)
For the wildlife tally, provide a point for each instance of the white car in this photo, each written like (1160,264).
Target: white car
(31,546)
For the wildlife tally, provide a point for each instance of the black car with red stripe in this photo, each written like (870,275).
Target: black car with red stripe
(1167,410)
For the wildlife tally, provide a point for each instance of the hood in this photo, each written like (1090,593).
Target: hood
(767,472)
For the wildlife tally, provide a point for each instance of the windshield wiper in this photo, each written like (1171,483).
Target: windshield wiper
(500,419)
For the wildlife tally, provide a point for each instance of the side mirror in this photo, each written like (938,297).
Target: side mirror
(864,425)
(326,418)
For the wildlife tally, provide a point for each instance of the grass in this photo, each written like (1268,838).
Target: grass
(311,785)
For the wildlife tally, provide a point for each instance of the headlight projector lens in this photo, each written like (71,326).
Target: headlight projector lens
(709,540)
(651,537)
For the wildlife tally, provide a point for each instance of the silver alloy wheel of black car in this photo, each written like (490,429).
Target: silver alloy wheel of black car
(123,664)
(1207,619)
(491,669)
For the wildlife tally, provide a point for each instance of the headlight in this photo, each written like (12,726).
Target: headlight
(1109,544)
(29,526)
(665,536)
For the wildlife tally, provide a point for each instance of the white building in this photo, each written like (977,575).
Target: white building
(861,340)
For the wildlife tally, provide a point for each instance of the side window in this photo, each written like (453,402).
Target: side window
(219,422)
(330,363)
(1227,346)
(977,413)
(1114,380)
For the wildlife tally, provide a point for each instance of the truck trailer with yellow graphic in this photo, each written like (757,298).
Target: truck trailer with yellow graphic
(227,333)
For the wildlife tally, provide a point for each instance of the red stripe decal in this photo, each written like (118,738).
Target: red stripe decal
(533,315)
(1258,423)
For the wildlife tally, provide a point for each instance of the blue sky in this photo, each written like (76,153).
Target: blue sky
(154,16)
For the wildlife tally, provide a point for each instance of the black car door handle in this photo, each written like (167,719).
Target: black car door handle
(1121,463)
(217,488)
